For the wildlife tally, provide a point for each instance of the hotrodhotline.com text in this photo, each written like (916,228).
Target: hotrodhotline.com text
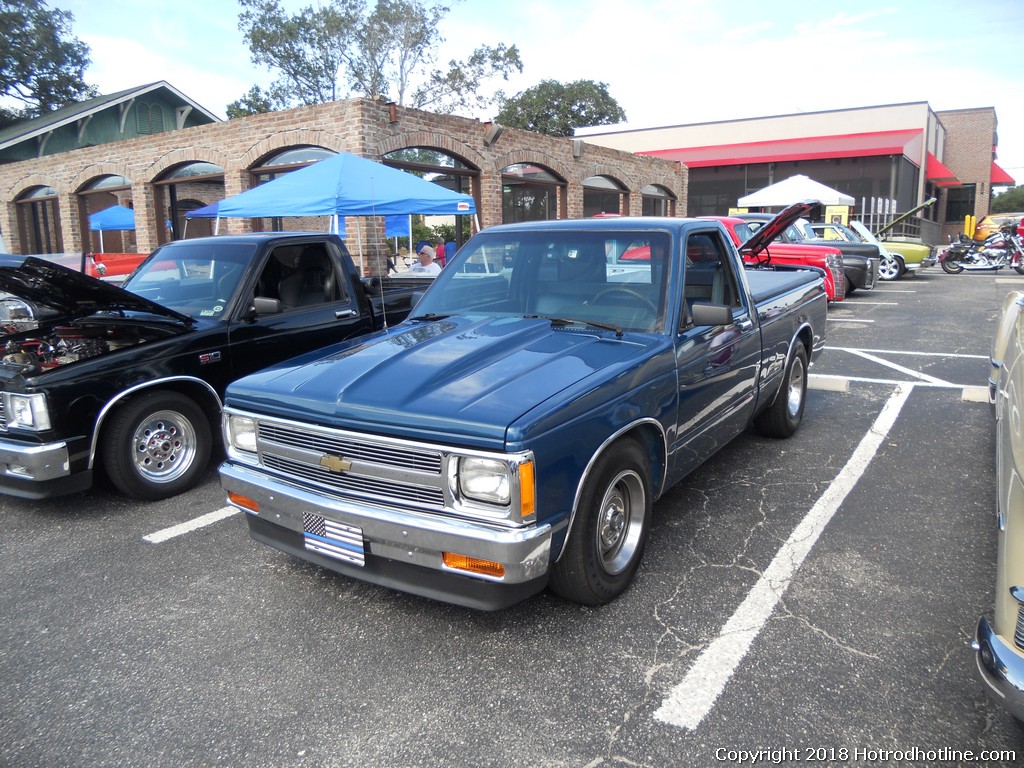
(861,755)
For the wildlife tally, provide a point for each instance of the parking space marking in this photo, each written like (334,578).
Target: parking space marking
(876,304)
(190,525)
(848,320)
(894,366)
(901,352)
(691,700)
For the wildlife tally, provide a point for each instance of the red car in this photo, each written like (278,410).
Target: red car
(822,256)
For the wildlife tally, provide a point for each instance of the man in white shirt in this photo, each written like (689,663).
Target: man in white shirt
(426,264)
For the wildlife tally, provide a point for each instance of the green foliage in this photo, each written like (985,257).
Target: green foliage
(255,102)
(1010,201)
(346,46)
(42,65)
(558,109)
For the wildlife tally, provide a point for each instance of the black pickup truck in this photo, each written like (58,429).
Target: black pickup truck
(130,379)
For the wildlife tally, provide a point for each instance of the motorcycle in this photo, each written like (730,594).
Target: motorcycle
(1002,248)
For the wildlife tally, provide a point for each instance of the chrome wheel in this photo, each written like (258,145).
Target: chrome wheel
(164,446)
(796,387)
(619,525)
(889,268)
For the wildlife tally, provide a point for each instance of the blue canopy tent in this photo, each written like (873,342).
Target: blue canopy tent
(116,217)
(341,185)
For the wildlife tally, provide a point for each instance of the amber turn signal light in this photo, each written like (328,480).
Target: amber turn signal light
(243,501)
(473,565)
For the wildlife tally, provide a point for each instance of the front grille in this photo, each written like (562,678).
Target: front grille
(388,455)
(377,471)
(3,416)
(351,484)
(1018,636)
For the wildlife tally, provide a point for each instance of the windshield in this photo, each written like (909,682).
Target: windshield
(197,279)
(608,277)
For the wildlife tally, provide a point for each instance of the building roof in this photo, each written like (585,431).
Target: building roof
(804,148)
(30,129)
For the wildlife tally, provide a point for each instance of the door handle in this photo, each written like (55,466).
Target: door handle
(341,313)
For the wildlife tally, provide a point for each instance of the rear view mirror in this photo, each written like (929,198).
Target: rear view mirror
(265,306)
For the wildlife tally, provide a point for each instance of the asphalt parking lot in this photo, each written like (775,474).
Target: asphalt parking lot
(806,601)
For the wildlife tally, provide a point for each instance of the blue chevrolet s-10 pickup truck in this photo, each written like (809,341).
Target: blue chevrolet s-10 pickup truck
(514,432)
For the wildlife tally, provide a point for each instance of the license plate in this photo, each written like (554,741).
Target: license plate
(331,539)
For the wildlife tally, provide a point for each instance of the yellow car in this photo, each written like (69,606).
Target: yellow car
(991,223)
(1000,640)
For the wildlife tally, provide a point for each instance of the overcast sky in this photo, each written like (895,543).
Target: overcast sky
(666,63)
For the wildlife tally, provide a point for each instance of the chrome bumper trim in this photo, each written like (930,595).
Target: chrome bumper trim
(410,537)
(37,462)
(1002,669)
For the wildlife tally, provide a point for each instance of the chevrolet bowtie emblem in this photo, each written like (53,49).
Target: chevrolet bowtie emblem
(335,464)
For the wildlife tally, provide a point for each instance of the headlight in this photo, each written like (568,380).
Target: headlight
(241,433)
(26,411)
(486,480)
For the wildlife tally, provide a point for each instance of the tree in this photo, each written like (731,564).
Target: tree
(558,109)
(345,46)
(255,102)
(42,66)
(1010,201)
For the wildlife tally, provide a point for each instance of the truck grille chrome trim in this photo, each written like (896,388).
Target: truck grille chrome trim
(1018,636)
(388,455)
(355,485)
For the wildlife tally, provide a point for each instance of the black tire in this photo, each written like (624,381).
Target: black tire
(782,418)
(1019,269)
(157,445)
(608,536)
(951,267)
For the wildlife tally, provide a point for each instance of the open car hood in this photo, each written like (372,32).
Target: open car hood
(71,293)
(772,229)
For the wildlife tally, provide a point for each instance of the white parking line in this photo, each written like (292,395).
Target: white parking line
(895,367)
(875,304)
(905,352)
(689,702)
(190,525)
(848,320)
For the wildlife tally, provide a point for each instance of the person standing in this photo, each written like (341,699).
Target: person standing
(440,253)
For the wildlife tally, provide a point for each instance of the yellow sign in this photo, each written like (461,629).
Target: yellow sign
(837,214)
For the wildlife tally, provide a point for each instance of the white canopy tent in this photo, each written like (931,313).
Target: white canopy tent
(793,190)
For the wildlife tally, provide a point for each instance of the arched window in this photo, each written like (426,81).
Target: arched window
(278,164)
(38,219)
(530,193)
(657,201)
(449,171)
(197,181)
(602,194)
(97,195)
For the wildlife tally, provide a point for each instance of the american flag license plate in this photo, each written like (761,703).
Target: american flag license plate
(337,540)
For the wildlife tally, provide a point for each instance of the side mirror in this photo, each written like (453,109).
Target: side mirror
(711,314)
(262,305)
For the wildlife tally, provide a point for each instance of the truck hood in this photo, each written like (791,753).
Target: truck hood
(71,293)
(456,376)
(766,234)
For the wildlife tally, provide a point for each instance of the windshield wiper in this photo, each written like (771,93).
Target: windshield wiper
(563,321)
(429,317)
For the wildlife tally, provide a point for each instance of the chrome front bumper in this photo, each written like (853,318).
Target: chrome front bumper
(1002,668)
(392,535)
(32,462)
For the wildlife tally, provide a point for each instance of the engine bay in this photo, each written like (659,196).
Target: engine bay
(36,345)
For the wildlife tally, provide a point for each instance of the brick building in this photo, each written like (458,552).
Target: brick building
(512,174)
(896,155)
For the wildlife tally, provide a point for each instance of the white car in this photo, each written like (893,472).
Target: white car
(1000,640)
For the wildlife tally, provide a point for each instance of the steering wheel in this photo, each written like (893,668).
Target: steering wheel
(627,292)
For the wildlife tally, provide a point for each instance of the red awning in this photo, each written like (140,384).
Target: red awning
(939,174)
(782,150)
(1001,177)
